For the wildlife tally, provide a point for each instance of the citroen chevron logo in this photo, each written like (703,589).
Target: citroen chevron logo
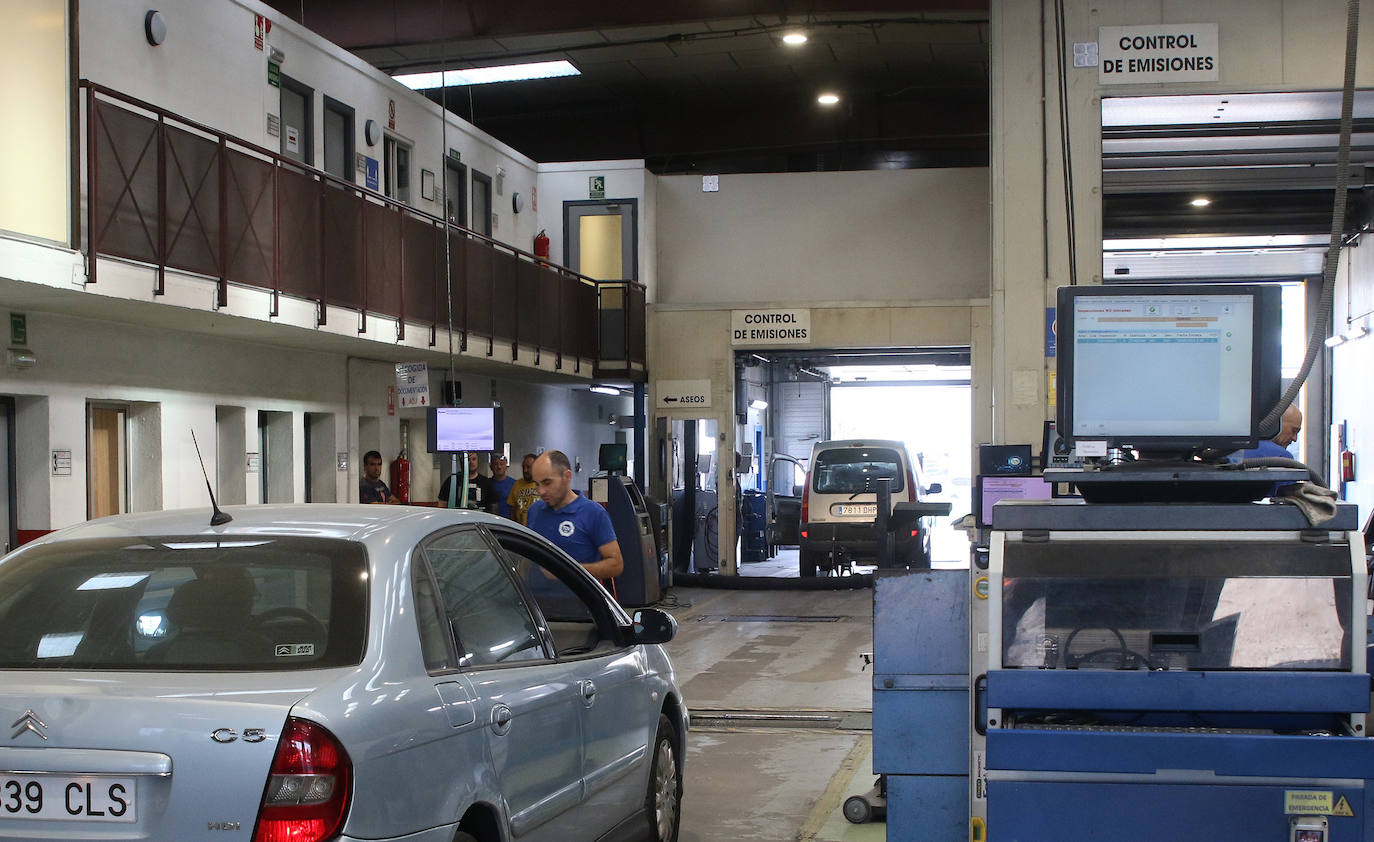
(28,722)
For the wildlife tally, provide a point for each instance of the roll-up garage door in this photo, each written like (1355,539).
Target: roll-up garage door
(803,416)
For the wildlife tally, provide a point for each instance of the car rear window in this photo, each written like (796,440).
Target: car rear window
(854,470)
(184,603)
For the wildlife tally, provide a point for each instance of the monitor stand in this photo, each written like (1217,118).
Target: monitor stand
(1173,481)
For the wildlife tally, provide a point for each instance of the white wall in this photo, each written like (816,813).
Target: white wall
(173,382)
(33,151)
(568,182)
(1352,371)
(891,235)
(213,41)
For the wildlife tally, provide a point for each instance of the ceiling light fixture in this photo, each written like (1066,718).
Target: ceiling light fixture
(488,75)
(758,404)
(828,99)
(1200,202)
(794,39)
(604,390)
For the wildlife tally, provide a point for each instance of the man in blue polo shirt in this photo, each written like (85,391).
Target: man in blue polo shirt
(575,524)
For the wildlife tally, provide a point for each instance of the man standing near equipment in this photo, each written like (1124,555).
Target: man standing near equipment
(524,493)
(1289,427)
(578,526)
(480,495)
(501,484)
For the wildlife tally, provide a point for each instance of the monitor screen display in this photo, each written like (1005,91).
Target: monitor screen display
(1172,367)
(456,429)
(613,458)
(1009,488)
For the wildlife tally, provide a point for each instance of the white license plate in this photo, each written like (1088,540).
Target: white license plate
(80,798)
(855,509)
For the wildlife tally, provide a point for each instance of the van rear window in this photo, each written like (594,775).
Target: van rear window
(167,603)
(854,470)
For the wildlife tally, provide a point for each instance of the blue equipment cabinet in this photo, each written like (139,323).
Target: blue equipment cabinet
(1176,671)
(754,528)
(921,702)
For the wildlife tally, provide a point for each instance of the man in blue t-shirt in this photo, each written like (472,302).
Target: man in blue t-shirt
(1289,427)
(501,483)
(578,526)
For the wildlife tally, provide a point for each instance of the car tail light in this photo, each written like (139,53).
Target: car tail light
(806,503)
(308,788)
(910,486)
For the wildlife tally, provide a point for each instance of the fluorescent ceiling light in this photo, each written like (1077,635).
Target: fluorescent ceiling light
(488,75)
(1335,341)
(605,390)
(758,404)
(828,99)
(1200,202)
(794,39)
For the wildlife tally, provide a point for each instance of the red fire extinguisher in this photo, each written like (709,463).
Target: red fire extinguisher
(400,478)
(1347,465)
(541,245)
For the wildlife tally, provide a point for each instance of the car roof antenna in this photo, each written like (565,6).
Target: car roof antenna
(218,518)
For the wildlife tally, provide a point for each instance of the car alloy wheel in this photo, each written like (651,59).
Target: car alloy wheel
(665,787)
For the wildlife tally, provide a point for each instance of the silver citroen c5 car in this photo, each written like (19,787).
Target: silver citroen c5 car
(328,672)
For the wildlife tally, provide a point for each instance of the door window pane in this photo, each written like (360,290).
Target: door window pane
(481,203)
(338,139)
(572,621)
(490,621)
(295,120)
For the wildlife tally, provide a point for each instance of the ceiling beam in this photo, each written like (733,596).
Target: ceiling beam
(359,24)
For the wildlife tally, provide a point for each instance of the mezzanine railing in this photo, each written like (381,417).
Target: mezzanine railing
(176,194)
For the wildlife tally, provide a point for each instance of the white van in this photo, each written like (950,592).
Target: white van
(840,504)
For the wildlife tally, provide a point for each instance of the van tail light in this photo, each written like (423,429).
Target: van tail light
(910,486)
(308,787)
(806,504)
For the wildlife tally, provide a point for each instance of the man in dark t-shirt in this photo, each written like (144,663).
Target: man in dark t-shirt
(371,489)
(481,496)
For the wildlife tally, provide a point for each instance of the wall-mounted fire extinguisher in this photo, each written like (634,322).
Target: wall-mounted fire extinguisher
(541,245)
(1347,465)
(400,478)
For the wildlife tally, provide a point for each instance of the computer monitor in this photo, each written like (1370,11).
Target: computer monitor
(1168,368)
(993,488)
(613,458)
(458,429)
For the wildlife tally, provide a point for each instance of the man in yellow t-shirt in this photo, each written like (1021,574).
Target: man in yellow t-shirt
(524,492)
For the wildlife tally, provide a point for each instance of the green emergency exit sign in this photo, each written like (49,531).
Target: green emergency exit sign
(596,187)
(19,329)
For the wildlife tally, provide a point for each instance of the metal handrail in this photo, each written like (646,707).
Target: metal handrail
(330,177)
(161,258)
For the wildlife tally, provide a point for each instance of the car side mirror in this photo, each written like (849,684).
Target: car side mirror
(934,488)
(652,626)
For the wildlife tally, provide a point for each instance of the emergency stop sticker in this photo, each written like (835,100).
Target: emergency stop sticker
(1309,802)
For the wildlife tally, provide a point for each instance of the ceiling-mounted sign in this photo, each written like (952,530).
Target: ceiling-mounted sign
(676,394)
(770,327)
(1132,55)
(412,384)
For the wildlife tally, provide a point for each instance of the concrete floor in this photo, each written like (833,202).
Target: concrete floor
(782,724)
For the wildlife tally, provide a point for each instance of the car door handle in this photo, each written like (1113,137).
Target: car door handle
(500,719)
(588,692)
